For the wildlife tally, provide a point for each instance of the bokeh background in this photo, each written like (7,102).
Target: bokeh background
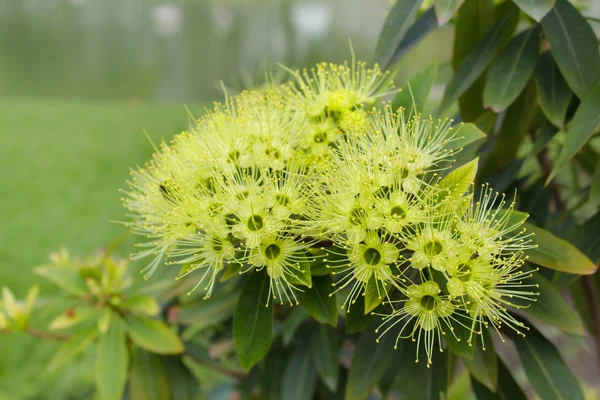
(80,81)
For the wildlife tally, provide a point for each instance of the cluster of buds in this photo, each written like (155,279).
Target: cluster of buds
(313,172)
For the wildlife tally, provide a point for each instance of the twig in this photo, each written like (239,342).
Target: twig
(46,335)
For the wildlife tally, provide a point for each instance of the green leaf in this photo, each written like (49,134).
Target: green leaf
(424,24)
(233,269)
(112,362)
(271,376)
(292,323)
(415,380)
(594,197)
(557,254)
(375,292)
(507,387)
(550,307)
(303,277)
(324,350)
(369,363)
(464,135)
(153,335)
(554,92)
(253,320)
(182,382)
(414,94)
(300,377)
(72,348)
(546,370)
(205,312)
(458,342)
(584,124)
(536,9)
(395,27)
(141,305)
(478,60)
(458,181)
(511,70)
(574,46)
(66,278)
(319,301)
(484,365)
(445,9)
(356,320)
(147,377)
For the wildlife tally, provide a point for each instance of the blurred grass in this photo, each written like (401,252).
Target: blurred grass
(62,163)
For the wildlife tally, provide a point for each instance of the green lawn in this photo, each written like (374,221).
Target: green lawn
(61,167)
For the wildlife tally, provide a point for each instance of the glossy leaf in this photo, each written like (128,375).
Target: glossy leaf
(478,60)
(396,25)
(272,376)
(303,276)
(319,301)
(418,382)
(584,124)
(414,94)
(72,348)
(507,387)
(142,305)
(153,335)
(558,254)
(458,342)
(574,46)
(536,9)
(511,70)
(112,362)
(324,351)
(484,365)
(554,92)
(356,320)
(375,293)
(147,377)
(458,181)
(206,312)
(369,363)
(293,321)
(424,24)
(445,9)
(465,135)
(545,368)
(253,320)
(550,307)
(300,377)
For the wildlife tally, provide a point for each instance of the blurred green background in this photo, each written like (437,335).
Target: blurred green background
(79,82)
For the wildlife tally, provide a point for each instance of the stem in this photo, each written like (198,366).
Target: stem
(46,335)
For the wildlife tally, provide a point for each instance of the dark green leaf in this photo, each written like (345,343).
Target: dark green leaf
(253,320)
(458,342)
(396,25)
(445,9)
(324,349)
(73,347)
(66,278)
(415,380)
(182,382)
(484,365)
(424,24)
(478,60)
(301,277)
(546,370)
(574,46)
(147,377)
(112,361)
(319,301)
(554,92)
(205,312)
(300,377)
(369,363)
(295,318)
(507,387)
(375,293)
(557,254)
(414,94)
(356,320)
(584,124)
(271,376)
(536,9)
(550,307)
(465,135)
(594,197)
(153,335)
(511,70)
(233,269)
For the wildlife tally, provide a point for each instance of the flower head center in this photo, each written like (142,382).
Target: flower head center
(272,251)
(320,137)
(217,244)
(282,199)
(255,223)
(464,272)
(428,302)
(357,216)
(273,152)
(433,248)
(398,212)
(234,156)
(372,256)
